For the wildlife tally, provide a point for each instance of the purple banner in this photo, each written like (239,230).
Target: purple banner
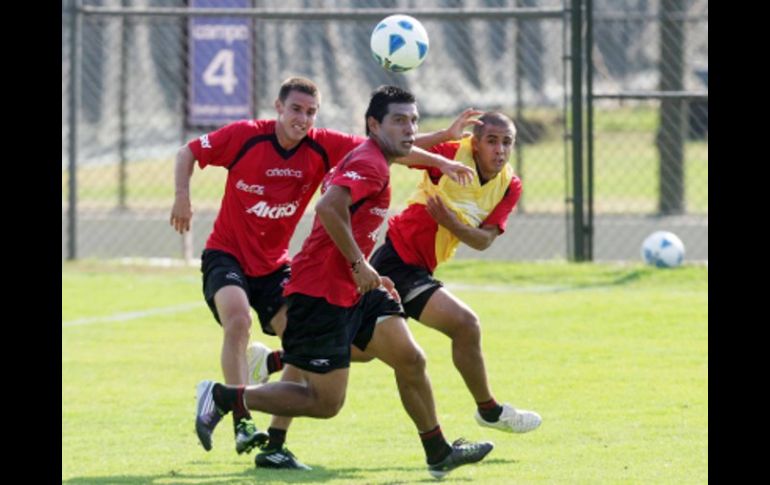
(220,66)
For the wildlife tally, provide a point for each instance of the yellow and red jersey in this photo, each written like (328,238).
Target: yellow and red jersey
(419,240)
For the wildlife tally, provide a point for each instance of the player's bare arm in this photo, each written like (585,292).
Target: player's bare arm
(181,211)
(457,171)
(479,238)
(454,170)
(333,209)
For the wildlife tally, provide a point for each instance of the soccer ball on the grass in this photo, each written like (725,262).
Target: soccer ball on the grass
(399,43)
(663,249)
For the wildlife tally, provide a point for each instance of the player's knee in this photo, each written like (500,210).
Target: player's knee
(413,360)
(237,326)
(419,361)
(330,407)
(469,328)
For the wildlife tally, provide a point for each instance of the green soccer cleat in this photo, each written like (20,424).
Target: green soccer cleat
(248,437)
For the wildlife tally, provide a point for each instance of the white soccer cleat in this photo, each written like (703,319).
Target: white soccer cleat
(512,420)
(256,356)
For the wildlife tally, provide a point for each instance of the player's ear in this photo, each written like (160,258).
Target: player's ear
(278,105)
(372,123)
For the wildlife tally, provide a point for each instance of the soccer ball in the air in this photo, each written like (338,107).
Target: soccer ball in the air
(399,43)
(663,249)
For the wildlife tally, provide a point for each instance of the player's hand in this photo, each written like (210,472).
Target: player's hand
(181,215)
(464,119)
(457,171)
(390,287)
(441,213)
(366,278)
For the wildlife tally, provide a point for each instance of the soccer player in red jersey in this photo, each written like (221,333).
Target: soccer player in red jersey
(274,167)
(335,299)
(439,216)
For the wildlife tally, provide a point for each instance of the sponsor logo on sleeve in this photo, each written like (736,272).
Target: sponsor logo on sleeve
(379,211)
(352,175)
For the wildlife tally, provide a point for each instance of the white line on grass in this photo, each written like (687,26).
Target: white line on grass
(124,317)
(127,316)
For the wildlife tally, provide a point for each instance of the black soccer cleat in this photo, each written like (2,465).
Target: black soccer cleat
(463,453)
(279,458)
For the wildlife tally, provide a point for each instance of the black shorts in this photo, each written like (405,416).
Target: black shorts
(414,284)
(265,293)
(318,334)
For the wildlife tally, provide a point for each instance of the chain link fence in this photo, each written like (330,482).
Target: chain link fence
(650,113)
(131,91)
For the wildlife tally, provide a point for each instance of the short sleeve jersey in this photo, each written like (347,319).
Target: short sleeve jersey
(267,187)
(413,231)
(319,269)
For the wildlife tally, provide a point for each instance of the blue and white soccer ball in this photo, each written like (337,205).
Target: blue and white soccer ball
(399,43)
(663,249)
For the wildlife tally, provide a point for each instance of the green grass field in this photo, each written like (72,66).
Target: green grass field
(614,357)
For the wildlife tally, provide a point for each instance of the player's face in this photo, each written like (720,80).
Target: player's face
(396,132)
(493,149)
(296,115)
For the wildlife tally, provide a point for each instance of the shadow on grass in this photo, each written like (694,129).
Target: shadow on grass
(318,474)
(617,279)
(548,277)
(554,284)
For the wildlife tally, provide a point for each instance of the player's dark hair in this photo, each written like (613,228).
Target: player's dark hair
(300,84)
(381,98)
(494,118)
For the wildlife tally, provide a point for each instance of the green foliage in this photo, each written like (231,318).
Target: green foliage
(614,357)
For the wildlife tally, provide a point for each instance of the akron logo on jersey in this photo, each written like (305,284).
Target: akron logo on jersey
(263,209)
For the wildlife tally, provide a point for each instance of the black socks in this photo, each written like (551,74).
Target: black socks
(277,438)
(490,410)
(435,445)
(230,398)
(274,362)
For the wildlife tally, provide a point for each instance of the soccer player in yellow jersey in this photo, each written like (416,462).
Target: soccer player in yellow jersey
(440,215)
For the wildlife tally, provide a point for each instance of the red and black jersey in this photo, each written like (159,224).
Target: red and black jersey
(413,231)
(267,188)
(319,269)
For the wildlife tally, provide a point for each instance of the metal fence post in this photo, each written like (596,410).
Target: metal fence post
(123,113)
(74,105)
(576,67)
(589,226)
(670,139)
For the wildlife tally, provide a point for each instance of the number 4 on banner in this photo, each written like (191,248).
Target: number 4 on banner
(221,71)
